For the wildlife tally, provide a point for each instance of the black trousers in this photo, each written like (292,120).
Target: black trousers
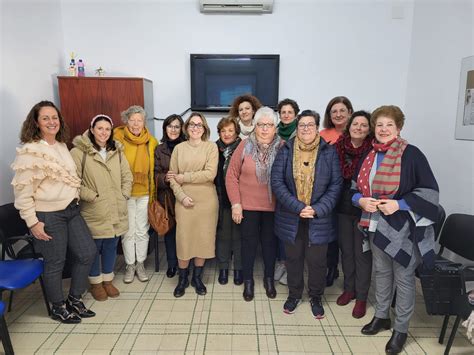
(255,226)
(356,265)
(315,257)
(69,232)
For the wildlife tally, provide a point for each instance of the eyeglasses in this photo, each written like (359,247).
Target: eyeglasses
(265,125)
(304,126)
(195,125)
(173,127)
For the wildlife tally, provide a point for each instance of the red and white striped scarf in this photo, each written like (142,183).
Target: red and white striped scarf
(387,178)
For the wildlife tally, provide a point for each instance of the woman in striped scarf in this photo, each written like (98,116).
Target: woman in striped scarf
(398,195)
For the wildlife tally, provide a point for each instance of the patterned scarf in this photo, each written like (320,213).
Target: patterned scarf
(263,155)
(227,151)
(387,178)
(303,169)
(349,156)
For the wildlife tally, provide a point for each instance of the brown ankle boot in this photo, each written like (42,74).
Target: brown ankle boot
(111,290)
(98,292)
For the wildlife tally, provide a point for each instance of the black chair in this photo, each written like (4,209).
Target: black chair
(4,335)
(14,234)
(444,288)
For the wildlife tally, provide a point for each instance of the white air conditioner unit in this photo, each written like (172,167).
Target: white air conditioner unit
(248,6)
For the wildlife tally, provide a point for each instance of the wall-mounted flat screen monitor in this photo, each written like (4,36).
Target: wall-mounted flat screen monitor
(217,79)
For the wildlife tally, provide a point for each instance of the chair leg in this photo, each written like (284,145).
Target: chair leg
(45,297)
(157,254)
(10,302)
(5,337)
(443,329)
(453,335)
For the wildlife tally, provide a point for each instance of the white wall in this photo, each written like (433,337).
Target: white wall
(442,35)
(31,47)
(340,47)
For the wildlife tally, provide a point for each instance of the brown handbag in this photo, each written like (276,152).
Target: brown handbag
(160,218)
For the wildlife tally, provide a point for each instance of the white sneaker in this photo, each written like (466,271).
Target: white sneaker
(129,273)
(280,269)
(284,279)
(141,272)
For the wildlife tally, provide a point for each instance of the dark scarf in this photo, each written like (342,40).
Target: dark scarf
(387,178)
(286,130)
(349,156)
(227,151)
(173,143)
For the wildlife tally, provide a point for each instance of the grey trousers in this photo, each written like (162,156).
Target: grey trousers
(391,276)
(70,233)
(356,265)
(228,241)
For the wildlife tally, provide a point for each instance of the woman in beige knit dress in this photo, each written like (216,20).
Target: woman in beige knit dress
(195,165)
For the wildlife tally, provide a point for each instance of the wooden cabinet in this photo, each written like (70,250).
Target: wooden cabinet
(83,98)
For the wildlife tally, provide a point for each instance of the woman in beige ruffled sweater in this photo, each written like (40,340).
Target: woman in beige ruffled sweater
(46,188)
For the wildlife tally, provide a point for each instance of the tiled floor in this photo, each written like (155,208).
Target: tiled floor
(147,319)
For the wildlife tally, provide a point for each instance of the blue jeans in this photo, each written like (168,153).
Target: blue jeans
(107,253)
(170,245)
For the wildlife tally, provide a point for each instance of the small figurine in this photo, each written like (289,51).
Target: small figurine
(99,71)
(72,70)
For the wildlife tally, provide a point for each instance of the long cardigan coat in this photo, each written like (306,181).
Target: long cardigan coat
(106,185)
(325,195)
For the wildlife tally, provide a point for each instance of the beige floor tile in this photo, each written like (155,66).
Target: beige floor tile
(220,318)
(147,342)
(102,342)
(290,343)
(244,343)
(148,319)
(318,344)
(368,344)
(27,341)
(173,342)
(218,342)
(75,342)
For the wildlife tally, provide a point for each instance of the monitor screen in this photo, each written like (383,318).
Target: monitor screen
(217,79)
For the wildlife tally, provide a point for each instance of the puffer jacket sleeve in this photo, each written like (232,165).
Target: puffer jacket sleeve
(280,182)
(328,201)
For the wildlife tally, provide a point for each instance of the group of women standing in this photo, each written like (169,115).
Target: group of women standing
(277,183)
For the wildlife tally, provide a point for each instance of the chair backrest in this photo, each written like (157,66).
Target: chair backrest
(457,235)
(11,224)
(439,223)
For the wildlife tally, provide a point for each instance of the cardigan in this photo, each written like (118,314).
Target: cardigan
(396,233)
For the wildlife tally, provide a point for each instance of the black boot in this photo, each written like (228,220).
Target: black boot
(183,282)
(196,281)
(396,343)
(171,272)
(75,304)
(223,276)
(375,326)
(238,277)
(269,285)
(248,290)
(333,273)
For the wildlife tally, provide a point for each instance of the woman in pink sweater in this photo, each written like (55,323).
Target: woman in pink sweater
(253,204)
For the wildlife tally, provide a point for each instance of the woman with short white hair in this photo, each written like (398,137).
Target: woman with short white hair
(139,148)
(252,200)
